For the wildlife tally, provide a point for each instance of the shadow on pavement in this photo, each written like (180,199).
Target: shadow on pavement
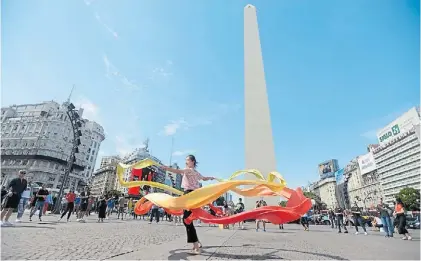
(279,232)
(312,229)
(184,253)
(42,227)
(47,223)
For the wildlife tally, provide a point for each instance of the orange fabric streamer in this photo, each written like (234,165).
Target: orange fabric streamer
(274,185)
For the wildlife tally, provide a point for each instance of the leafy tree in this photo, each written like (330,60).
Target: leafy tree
(319,204)
(410,198)
(113,192)
(220,201)
(283,203)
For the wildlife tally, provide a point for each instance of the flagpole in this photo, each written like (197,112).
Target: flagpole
(172,149)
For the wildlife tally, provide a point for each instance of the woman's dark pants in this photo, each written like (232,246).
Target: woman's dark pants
(191,230)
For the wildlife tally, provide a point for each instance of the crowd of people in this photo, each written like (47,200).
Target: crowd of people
(390,219)
(18,195)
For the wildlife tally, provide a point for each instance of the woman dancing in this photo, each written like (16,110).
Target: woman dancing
(190,182)
(399,213)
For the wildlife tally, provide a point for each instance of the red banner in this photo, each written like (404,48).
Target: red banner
(136,175)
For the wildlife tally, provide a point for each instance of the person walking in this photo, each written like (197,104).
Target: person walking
(102,209)
(16,187)
(47,203)
(339,212)
(384,211)
(401,217)
(154,213)
(239,208)
(121,206)
(25,197)
(332,218)
(190,182)
(304,222)
(259,204)
(77,205)
(41,197)
(358,220)
(130,207)
(70,198)
(84,200)
(110,206)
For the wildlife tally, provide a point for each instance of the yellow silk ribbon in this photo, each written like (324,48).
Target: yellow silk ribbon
(207,194)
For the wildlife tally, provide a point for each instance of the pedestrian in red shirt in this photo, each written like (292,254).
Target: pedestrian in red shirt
(70,198)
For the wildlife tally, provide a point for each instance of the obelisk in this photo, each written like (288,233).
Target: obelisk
(259,147)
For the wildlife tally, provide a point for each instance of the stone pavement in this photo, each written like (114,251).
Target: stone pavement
(129,240)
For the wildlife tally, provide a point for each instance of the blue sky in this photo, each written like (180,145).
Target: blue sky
(336,72)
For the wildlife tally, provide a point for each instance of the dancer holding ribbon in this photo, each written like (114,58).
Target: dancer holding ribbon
(190,182)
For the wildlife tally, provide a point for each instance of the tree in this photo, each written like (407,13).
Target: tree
(319,204)
(410,198)
(220,201)
(113,192)
(283,203)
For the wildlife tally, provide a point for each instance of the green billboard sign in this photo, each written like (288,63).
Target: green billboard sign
(392,132)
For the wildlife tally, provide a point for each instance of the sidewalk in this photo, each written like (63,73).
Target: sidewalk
(137,240)
(320,242)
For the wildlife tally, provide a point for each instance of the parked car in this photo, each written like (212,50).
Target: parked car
(412,222)
(319,219)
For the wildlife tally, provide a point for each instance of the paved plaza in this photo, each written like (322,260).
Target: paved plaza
(119,240)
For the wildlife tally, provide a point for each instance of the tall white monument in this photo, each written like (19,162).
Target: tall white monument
(259,147)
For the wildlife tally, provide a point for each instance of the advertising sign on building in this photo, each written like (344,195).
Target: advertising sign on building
(366,163)
(136,175)
(327,169)
(339,176)
(399,126)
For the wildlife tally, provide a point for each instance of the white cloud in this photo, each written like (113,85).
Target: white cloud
(371,134)
(125,146)
(171,128)
(112,72)
(221,109)
(90,109)
(179,153)
(88,2)
(109,29)
(162,72)
(381,122)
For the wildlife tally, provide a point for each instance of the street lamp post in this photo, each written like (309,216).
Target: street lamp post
(368,196)
(76,124)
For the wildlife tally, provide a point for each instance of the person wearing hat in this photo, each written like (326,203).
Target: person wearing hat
(16,187)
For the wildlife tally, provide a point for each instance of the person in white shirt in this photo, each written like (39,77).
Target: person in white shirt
(25,197)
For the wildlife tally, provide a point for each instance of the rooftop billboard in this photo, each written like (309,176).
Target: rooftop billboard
(399,126)
(328,168)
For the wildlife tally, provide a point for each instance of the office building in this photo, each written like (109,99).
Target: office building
(326,190)
(109,160)
(38,138)
(362,182)
(103,180)
(398,156)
